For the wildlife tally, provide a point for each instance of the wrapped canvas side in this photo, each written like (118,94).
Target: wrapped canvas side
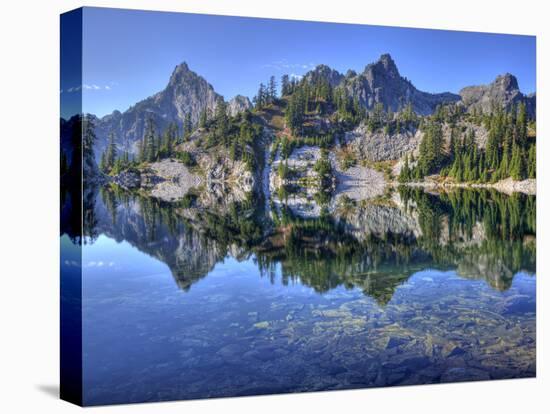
(71,182)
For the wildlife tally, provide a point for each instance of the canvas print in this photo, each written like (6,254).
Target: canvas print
(259,206)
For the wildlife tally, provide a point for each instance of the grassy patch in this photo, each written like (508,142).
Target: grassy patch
(346,158)
(384,167)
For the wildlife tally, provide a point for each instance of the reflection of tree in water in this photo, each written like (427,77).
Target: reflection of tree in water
(79,174)
(89,219)
(484,235)
(321,254)
(71,218)
(71,178)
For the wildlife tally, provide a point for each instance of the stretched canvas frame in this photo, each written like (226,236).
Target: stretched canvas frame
(339,230)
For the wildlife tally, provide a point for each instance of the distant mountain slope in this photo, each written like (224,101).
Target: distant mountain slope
(186,92)
(381,82)
(238,104)
(503,91)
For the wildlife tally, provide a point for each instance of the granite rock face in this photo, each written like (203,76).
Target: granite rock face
(324,72)
(380,146)
(503,92)
(185,93)
(238,104)
(381,82)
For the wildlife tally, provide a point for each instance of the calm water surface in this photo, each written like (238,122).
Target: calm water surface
(180,302)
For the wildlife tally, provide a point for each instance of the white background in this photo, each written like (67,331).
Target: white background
(29,288)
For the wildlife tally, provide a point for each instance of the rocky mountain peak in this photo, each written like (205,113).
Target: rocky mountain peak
(186,93)
(324,72)
(388,63)
(182,75)
(237,104)
(384,66)
(178,71)
(503,91)
(381,83)
(506,82)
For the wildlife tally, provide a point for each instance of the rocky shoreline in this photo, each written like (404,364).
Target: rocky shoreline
(170,180)
(507,186)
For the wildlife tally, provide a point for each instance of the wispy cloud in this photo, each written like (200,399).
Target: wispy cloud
(88,87)
(99,263)
(283,64)
(296,76)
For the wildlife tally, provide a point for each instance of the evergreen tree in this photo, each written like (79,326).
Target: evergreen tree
(187,126)
(521,124)
(103,162)
(405,173)
(203,118)
(295,112)
(272,89)
(111,152)
(285,85)
(88,137)
(222,121)
(169,140)
(517,163)
(260,99)
(408,113)
(431,149)
(147,151)
(453,145)
(532,162)
(378,115)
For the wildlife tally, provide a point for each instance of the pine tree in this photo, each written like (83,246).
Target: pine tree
(88,137)
(272,89)
(405,173)
(295,112)
(168,140)
(222,121)
(408,113)
(378,115)
(203,118)
(147,149)
(532,162)
(187,126)
(517,163)
(111,152)
(431,149)
(285,85)
(141,149)
(521,124)
(125,158)
(260,99)
(453,147)
(103,162)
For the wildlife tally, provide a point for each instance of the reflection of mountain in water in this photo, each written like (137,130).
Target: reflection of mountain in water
(154,228)
(373,247)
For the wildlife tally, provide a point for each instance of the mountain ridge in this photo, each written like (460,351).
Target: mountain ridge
(380,82)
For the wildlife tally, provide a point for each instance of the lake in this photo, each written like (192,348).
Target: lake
(254,297)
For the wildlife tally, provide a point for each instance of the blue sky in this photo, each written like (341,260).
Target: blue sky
(129,55)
